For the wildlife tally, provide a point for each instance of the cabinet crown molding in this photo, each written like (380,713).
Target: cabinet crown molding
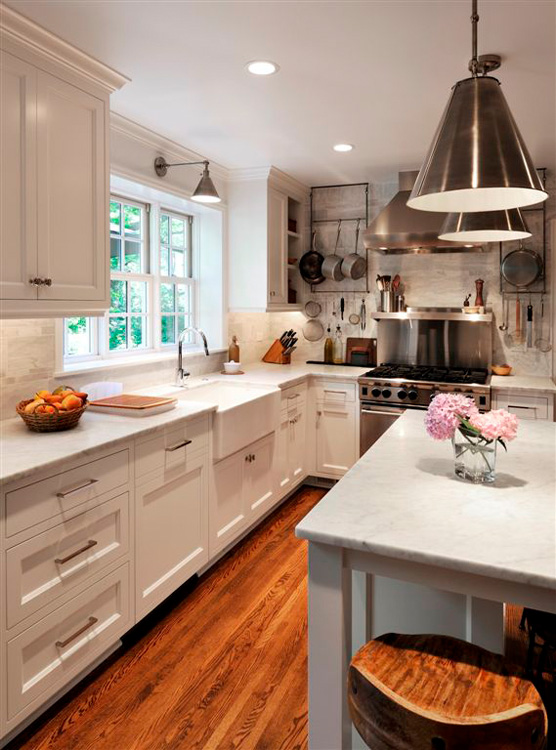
(278,179)
(31,36)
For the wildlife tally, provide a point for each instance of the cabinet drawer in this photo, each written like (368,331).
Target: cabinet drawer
(47,655)
(65,494)
(293,399)
(45,566)
(332,392)
(523,406)
(170,449)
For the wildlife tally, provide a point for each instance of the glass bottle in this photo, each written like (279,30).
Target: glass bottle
(338,346)
(329,348)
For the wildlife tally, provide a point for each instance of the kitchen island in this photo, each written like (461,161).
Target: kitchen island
(401,514)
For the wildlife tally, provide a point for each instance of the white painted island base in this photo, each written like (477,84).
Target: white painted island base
(426,553)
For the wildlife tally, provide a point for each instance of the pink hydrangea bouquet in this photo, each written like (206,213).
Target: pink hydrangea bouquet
(449,412)
(474,435)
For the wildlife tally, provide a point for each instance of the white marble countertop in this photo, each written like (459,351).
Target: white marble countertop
(523,383)
(403,500)
(23,452)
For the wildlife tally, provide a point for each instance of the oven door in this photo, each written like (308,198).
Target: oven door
(375,419)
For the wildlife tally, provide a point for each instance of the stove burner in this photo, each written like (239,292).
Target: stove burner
(429,373)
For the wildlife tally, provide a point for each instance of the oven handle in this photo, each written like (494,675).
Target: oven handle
(389,413)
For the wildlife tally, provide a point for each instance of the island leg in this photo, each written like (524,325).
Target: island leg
(329,648)
(485,624)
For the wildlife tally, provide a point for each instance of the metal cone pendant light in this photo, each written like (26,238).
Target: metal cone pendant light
(478,160)
(485,226)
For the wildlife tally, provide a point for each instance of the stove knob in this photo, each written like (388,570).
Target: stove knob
(375,392)
(433,394)
(402,394)
(413,395)
(386,393)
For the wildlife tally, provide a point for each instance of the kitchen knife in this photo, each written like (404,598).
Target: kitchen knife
(529,329)
(283,337)
(342,307)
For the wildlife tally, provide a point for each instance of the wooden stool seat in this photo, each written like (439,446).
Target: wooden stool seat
(429,692)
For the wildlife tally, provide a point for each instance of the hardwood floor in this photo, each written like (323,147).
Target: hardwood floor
(221,665)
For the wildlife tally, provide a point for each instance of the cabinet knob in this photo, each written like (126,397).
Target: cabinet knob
(36,281)
(47,282)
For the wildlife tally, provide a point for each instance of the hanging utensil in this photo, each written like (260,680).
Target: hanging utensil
(517,336)
(354,266)
(313,330)
(504,326)
(363,315)
(529,326)
(342,307)
(332,264)
(522,267)
(313,309)
(543,344)
(310,264)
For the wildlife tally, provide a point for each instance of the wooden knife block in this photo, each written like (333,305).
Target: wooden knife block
(275,355)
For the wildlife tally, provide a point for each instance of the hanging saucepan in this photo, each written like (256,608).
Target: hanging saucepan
(354,265)
(522,267)
(310,265)
(332,265)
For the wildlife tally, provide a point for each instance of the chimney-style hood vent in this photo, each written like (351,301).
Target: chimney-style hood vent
(399,229)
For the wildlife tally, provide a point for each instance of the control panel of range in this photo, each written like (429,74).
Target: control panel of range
(418,394)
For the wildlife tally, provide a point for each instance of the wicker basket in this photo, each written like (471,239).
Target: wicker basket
(50,422)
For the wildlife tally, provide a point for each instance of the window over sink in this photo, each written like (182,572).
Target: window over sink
(152,285)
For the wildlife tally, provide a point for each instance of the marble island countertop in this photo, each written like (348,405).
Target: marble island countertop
(403,500)
(23,452)
(523,383)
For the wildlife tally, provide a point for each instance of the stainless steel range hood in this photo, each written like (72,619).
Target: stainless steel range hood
(399,229)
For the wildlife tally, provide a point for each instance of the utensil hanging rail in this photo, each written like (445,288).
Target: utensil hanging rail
(365,219)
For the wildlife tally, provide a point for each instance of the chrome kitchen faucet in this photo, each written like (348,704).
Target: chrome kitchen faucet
(181,375)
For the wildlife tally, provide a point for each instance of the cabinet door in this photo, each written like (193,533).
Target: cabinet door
(172,532)
(284,461)
(72,192)
(228,515)
(18,178)
(298,446)
(277,248)
(259,485)
(336,439)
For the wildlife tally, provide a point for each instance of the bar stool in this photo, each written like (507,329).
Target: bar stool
(540,625)
(430,692)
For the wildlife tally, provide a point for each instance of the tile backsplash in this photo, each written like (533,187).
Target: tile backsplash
(28,363)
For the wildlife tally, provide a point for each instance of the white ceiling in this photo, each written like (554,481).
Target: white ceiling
(375,73)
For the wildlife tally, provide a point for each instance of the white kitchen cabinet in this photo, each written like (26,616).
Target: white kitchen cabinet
(525,404)
(277,248)
(55,174)
(18,177)
(171,530)
(72,222)
(292,441)
(244,488)
(260,204)
(336,438)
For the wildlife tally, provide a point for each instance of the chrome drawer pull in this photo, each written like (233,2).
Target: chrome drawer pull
(178,445)
(92,621)
(62,495)
(62,560)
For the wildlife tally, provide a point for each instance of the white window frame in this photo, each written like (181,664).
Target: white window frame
(152,276)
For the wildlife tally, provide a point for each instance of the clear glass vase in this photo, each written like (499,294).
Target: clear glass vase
(475,458)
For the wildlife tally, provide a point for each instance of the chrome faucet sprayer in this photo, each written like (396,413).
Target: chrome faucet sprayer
(181,374)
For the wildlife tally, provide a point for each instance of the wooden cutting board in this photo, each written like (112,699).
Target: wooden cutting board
(132,405)
(369,345)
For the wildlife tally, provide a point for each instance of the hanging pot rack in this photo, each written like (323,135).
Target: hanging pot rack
(360,219)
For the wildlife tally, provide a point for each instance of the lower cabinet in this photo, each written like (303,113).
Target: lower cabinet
(336,438)
(171,530)
(291,449)
(243,490)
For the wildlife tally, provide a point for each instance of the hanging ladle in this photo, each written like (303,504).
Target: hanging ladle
(504,326)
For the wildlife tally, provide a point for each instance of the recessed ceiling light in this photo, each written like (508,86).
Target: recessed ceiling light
(343,147)
(262,67)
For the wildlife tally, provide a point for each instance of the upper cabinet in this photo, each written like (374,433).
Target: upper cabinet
(54,119)
(266,227)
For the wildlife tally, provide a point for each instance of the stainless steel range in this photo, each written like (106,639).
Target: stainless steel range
(388,390)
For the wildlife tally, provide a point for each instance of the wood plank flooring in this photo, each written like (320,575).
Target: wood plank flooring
(221,665)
